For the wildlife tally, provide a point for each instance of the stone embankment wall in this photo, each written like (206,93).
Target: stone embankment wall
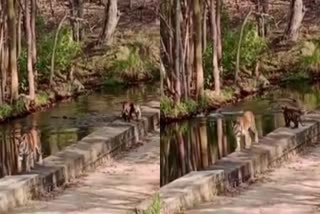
(230,171)
(73,161)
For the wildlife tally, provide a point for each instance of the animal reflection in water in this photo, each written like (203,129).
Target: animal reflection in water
(29,150)
(242,126)
(20,152)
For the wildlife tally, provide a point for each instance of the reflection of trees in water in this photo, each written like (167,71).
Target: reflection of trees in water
(55,140)
(192,146)
(19,151)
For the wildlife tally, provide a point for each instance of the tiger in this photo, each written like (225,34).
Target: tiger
(128,109)
(292,114)
(241,127)
(29,150)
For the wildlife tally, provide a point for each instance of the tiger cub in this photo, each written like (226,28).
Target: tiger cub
(128,109)
(293,115)
(241,127)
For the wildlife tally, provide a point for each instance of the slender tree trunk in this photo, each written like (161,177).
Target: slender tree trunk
(12,37)
(184,49)
(54,50)
(34,39)
(19,30)
(236,76)
(218,24)
(4,70)
(216,72)
(76,9)
(112,16)
(1,54)
(190,59)
(80,23)
(162,73)
(262,9)
(204,28)
(177,38)
(30,48)
(198,69)
(297,12)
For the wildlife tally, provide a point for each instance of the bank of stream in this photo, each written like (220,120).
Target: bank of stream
(195,144)
(67,122)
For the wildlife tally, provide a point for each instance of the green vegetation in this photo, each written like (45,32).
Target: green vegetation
(171,110)
(252,48)
(66,51)
(310,56)
(133,58)
(155,206)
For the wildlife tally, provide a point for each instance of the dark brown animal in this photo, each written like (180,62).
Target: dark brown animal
(292,114)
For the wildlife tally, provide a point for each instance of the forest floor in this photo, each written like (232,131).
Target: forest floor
(115,187)
(291,189)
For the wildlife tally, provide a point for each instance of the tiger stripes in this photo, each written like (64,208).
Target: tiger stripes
(29,150)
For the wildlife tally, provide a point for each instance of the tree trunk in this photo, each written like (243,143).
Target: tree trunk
(236,75)
(297,12)
(76,11)
(4,70)
(184,70)
(12,37)
(204,28)
(34,37)
(177,38)
(262,9)
(19,30)
(198,69)
(218,25)
(112,16)
(2,63)
(216,72)
(28,34)
(162,73)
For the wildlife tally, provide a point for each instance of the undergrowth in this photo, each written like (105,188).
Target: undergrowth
(252,47)
(170,109)
(133,58)
(155,206)
(66,50)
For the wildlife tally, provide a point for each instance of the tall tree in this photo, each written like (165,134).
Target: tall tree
(111,19)
(216,72)
(198,69)
(12,37)
(218,26)
(34,37)
(177,39)
(297,11)
(76,7)
(262,9)
(28,33)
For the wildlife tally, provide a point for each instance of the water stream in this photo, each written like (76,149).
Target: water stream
(193,145)
(64,124)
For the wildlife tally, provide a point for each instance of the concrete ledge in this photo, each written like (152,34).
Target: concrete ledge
(201,186)
(60,168)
